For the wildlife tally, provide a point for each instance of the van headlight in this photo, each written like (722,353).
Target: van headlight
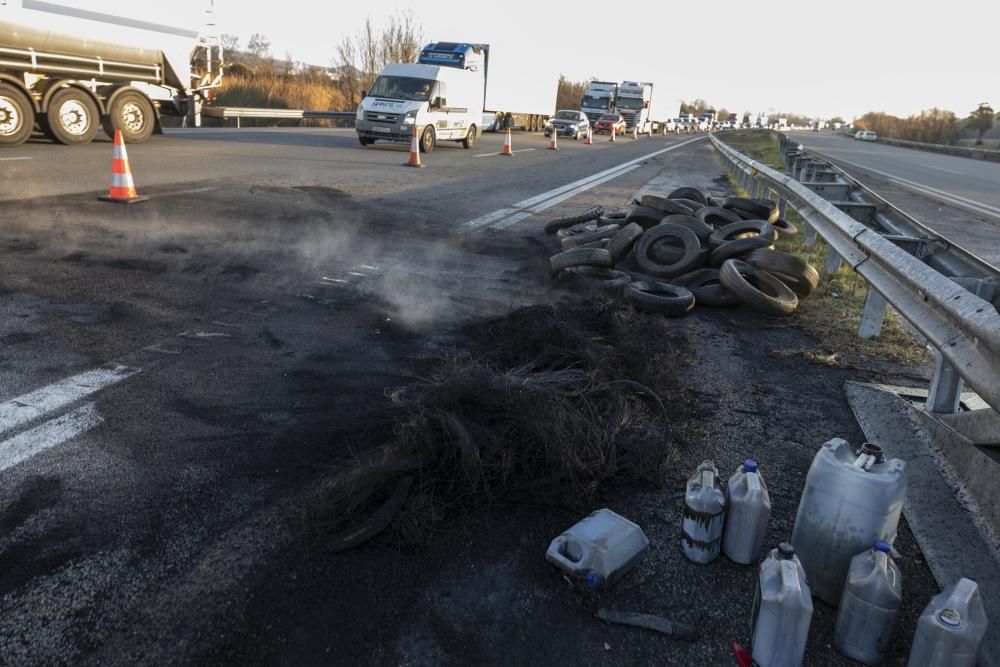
(410,118)
(359,114)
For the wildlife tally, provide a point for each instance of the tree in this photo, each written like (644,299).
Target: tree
(361,58)
(835,120)
(697,107)
(981,120)
(569,94)
(230,42)
(259,46)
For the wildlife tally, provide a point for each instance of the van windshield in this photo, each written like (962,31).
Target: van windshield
(403,88)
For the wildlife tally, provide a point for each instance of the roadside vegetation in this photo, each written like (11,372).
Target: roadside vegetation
(832,313)
(935,126)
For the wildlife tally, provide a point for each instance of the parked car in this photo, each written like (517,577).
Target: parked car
(865,135)
(568,123)
(608,121)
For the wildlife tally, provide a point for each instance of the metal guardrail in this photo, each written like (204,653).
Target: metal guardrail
(951,312)
(962,151)
(239,113)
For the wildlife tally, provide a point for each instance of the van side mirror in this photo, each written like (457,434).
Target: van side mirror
(436,103)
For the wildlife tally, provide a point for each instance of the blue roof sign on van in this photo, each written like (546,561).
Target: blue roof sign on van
(452,54)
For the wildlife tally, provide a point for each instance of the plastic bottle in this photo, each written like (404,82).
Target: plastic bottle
(599,549)
(782,610)
(950,629)
(868,606)
(704,514)
(849,501)
(746,517)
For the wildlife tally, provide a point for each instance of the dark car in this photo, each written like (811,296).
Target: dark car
(608,121)
(568,123)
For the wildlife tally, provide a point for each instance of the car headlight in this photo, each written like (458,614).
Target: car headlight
(548,123)
(410,118)
(359,114)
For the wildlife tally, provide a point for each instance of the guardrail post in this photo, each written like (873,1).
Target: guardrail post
(782,205)
(945,392)
(833,261)
(873,314)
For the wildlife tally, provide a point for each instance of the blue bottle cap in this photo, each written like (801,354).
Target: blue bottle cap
(749,466)
(594,581)
(882,545)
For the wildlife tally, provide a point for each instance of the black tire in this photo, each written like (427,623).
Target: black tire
(690,203)
(365,141)
(707,288)
(594,278)
(659,297)
(688,261)
(428,140)
(761,209)
(621,212)
(470,137)
(733,230)
(623,241)
(132,113)
(605,232)
(580,257)
(668,206)
(716,217)
(72,117)
(758,289)
(737,249)
(800,276)
(17,116)
(785,228)
(689,193)
(552,226)
(700,229)
(645,216)
(576,230)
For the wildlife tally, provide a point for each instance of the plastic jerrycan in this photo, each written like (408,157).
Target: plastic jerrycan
(782,610)
(747,514)
(950,629)
(849,501)
(704,514)
(599,549)
(872,595)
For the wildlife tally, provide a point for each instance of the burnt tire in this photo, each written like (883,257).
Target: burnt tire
(645,216)
(716,217)
(700,229)
(785,228)
(660,297)
(668,206)
(737,249)
(689,193)
(761,209)
(605,232)
(621,243)
(580,257)
(707,288)
(621,212)
(758,289)
(800,276)
(689,260)
(695,206)
(552,226)
(594,278)
(734,230)
(576,230)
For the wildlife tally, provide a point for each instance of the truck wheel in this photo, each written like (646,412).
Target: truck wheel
(470,138)
(133,115)
(365,141)
(17,117)
(428,140)
(71,118)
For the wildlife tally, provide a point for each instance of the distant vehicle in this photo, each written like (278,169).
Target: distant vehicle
(568,122)
(601,98)
(866,135)
(641,110)
(608,121)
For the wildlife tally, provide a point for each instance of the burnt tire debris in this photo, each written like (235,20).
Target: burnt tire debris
(666,253)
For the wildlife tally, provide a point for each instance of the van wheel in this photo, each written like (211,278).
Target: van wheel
(17,116)
(470,138)
(428,140)
(71,118)
(132,113)
(365,141)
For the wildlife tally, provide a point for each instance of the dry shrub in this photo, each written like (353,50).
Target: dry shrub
(555,402)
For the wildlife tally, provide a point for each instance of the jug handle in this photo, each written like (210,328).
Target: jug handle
(555,554)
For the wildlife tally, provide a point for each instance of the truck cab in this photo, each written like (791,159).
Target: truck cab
(633,101)
(441,98)
(600,99)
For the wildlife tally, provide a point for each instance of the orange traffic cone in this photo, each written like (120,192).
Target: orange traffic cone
(590,137)
(507,148)
(612,139)
(553,144)
(414,160)
(122,189)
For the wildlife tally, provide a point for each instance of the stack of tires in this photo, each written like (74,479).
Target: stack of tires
(664,254)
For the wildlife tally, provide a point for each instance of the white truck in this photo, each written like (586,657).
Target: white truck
(600,98)
(446,96)
(77,65)
(634,100)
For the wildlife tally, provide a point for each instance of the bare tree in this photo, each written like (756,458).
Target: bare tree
(361,58)
(569,94)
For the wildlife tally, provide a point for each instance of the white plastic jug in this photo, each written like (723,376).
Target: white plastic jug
(950,629)
(782,610)
(704,514)
(599,549)
(849,501)
(747,515)
(872,595)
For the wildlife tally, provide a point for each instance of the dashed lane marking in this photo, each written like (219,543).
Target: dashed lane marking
(13,159)
(54,432)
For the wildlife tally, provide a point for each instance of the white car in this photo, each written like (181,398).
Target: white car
(865,135)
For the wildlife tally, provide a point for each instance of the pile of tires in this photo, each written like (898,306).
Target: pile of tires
(666,253)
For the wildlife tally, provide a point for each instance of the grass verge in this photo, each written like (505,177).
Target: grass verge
(832,314)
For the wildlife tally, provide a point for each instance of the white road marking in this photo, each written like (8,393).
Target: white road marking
(333,280)
(370,268)
(11,159)
(205,334)
(492,219)
(950,171)
(355,273)
(53,432)
(185,192)
(28,407)
(520,150)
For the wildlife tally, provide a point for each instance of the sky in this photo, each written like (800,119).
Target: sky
(820,59)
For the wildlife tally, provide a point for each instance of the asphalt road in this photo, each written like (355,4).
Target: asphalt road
(173,374)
